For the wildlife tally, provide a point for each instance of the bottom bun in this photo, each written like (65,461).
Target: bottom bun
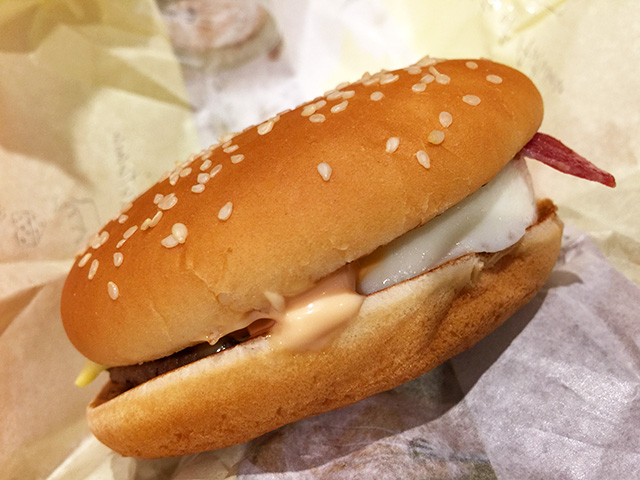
(401,333)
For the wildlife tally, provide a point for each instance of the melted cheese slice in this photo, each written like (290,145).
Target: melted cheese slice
(491,219)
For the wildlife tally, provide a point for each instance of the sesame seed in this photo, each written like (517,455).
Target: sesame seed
(226,138)
(94,241)
(198,188)
(122,218)
(388,78)
(112,288)
(494,79)
(426,61)
(169,242)
(145,224)
(348,94)
(375,96)
(434,71)
(445,119)
(215,170)
(121,243)
(419,87)
(443,79)
(423,158)
(308,110)
(324,169)
(127,207)
(472,100)
(208,154)
(156,218)
(237,158)
(392,144)
(93,269)
(117,259)
(104,236)
(436,137)
(231,149)
(342,85)
(179,232)
(471,65)
(339,107)
(370,81)
(169,201)
(319,104)
(414,70)
(317,118)
(130,231)
(204,177)
(185,172)
(334,95)
(173,178)
(205,165)
(158,198)
(226,144)
(428,78)
(83,261)
(265,127)
(225,211)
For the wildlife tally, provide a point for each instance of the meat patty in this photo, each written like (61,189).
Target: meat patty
(129,376)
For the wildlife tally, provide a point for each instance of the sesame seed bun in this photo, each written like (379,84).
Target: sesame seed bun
(400,333)
(283,204)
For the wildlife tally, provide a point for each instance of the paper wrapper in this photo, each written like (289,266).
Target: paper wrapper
(93,110)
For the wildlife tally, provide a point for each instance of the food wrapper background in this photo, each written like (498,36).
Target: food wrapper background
(93,110)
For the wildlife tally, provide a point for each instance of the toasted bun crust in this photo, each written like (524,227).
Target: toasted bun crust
(288,227)
(401,333)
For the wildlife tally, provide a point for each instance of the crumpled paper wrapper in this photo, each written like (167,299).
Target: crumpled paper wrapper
(93,110)
(88,88)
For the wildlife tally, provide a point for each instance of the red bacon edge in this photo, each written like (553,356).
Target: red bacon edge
(554,153)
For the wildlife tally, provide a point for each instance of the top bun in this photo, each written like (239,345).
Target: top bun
(290,201)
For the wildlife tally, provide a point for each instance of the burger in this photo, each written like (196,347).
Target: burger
(328,254)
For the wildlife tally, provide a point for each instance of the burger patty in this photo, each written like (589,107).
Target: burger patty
(130,376)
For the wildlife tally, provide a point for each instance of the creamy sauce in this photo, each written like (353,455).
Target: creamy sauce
(311,319)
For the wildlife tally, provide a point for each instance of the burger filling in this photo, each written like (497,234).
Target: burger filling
(129,376)
(490,220)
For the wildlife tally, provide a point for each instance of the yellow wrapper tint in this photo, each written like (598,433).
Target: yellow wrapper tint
(92,111)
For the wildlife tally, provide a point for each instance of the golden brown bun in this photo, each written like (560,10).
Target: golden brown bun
(401,333)
(289,227)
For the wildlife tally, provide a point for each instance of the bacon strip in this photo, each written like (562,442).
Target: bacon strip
(552,152)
